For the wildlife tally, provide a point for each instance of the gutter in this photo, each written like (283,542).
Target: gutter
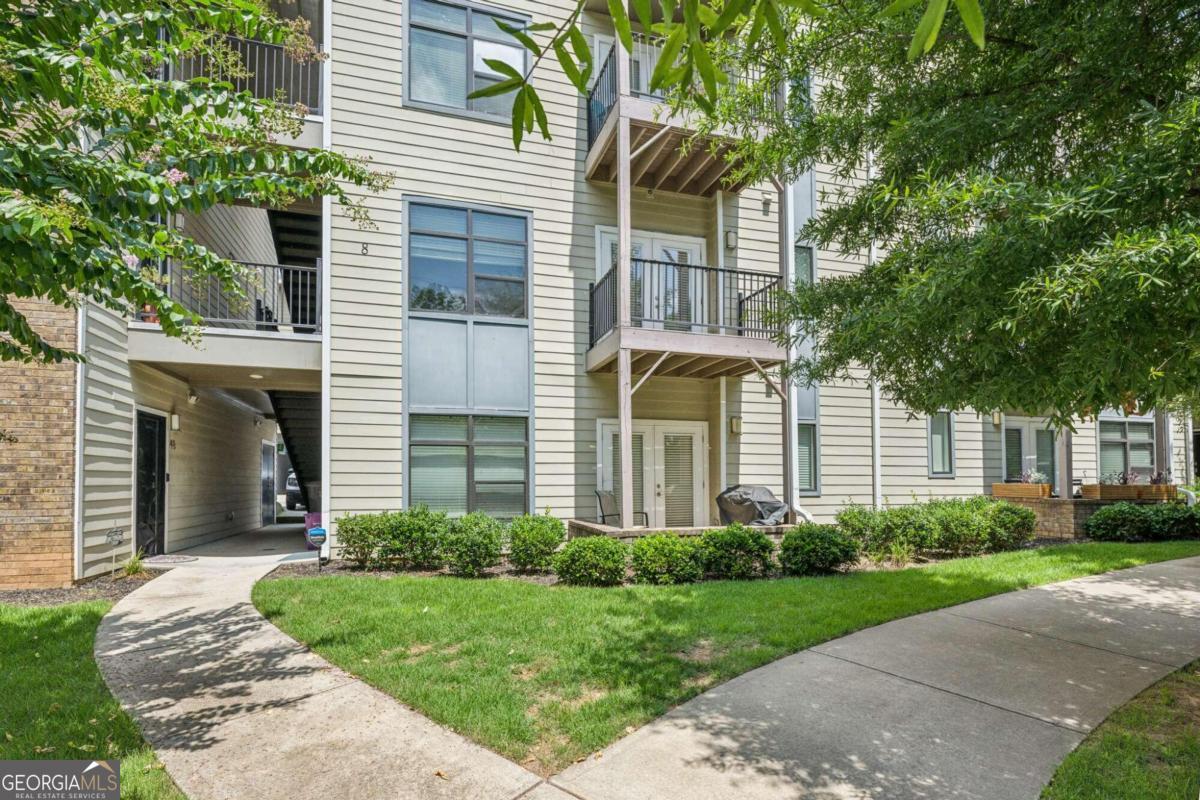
(326,283)
(80,420)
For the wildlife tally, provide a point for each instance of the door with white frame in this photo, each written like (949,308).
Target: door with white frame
(1028,447)
(670,466)
(665,292)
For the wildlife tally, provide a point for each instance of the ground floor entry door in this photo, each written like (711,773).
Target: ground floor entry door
(151,487)
(1028,447)
(267,477)
(670,469)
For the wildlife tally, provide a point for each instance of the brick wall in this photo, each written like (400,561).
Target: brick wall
(1058,518)
(37,472)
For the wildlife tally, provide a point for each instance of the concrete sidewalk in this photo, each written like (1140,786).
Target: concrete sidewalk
(981,700)
(235,709)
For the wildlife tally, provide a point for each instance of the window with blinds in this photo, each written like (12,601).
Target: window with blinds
(679,500)
(1014,454)
(449,46)
(1043,445)
(1126,447)
(639,481)
(459,464)
(941,444)
(806,451)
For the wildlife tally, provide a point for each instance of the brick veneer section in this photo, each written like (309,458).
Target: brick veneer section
(37,472)
(1062,519)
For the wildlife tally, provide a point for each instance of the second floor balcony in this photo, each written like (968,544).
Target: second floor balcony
(267,72)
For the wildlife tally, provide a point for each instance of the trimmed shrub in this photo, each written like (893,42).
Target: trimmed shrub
(592,561)
(666,558)
(533,540)
(359,536)
(736,552)
(412,538)
(473,544)
(814,549)
(1131,522)
(953,527)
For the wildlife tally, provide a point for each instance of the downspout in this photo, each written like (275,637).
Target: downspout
(326,279)
(80,421)
(723,429)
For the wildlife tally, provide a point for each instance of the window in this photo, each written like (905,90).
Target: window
(467,261)
(449,46)
(941,445)
(805,263)
(1126,447)
(459,464)
(806,450)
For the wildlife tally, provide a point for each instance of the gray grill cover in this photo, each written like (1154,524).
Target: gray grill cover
(751,505)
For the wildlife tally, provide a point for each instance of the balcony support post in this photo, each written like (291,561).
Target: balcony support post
(786,272)
(624,191)
(1063,465)
(625,433)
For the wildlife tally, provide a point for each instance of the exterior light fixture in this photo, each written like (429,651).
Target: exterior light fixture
(735,426)
(254,376)
(766,204)
(731,240)
(174,422)
(192,397)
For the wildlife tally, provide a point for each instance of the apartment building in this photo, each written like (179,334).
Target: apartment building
(518,331)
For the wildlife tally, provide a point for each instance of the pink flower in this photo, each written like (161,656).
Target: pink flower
(130,259)
(175,176)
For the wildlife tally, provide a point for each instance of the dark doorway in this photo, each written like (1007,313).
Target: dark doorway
(151,483)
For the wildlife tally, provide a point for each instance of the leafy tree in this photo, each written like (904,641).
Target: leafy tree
(693,34)
(97,146)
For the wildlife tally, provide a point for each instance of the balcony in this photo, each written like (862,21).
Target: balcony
(658,153)
(274,298)
(711,321)
(271,73)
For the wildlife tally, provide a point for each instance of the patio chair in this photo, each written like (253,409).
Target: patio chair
(611,509)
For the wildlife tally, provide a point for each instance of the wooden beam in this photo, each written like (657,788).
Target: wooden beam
(638,150)
(677,362)
(705,363)
(720,169)
(692,169)
(662,175)
(767,378)
(646,376)
(652,155)
(719,368)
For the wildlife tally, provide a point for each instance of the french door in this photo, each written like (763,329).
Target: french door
(1028,447)
(665,291)
(669,471)
(151,483)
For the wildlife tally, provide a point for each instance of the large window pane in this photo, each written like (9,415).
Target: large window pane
(438,273)
(941,445)
(438,62)
(1141,432)
(1112,430)
(503,500)
(500,298)
(1112,459)
(499,463)
(1141,458)
(494,258)
(1044,446)
(500,429)
(439,14)
(427,427)
(1014,456)
(804,263)
(499,226)
(440,219)
(438,477)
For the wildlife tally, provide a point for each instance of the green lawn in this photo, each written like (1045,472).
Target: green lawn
(545,675)
(1149,749)
(54,704)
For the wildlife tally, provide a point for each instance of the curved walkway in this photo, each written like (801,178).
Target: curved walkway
(236,710)
(981,700)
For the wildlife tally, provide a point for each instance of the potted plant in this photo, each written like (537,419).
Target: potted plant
(1031,485)
(1125,486)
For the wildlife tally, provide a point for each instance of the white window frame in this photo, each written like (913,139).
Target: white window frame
(929,447)
(1125,420)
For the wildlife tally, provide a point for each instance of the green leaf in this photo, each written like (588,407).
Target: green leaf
(518,118)
(927,29)
(539,114)
(503,68)
(732,10)
(644,14)
(620,17)
(667,58)
(503,87)
(810,7)
(518,33)
(569,68)
(898,7)
(704,65)
(972,17)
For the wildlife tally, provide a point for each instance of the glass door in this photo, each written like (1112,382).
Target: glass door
(669,469)
(1029,447)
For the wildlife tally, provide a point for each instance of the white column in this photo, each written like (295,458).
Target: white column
(1066,470)
(625,433)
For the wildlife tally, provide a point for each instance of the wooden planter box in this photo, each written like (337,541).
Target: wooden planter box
(1026,491)
(1161,492)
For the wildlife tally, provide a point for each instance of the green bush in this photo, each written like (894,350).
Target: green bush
(950,527)
(473,544)
(815,549)
(412,538)
(533,540)
(592,561)
(736,552)
(1132,522)
(666,558)
(359,536)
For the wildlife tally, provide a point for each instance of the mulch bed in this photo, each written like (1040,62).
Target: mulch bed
(108,587)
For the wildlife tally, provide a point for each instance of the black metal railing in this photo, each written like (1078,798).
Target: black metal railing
(273,297)
(689,298)
(271,73)
(603,95)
